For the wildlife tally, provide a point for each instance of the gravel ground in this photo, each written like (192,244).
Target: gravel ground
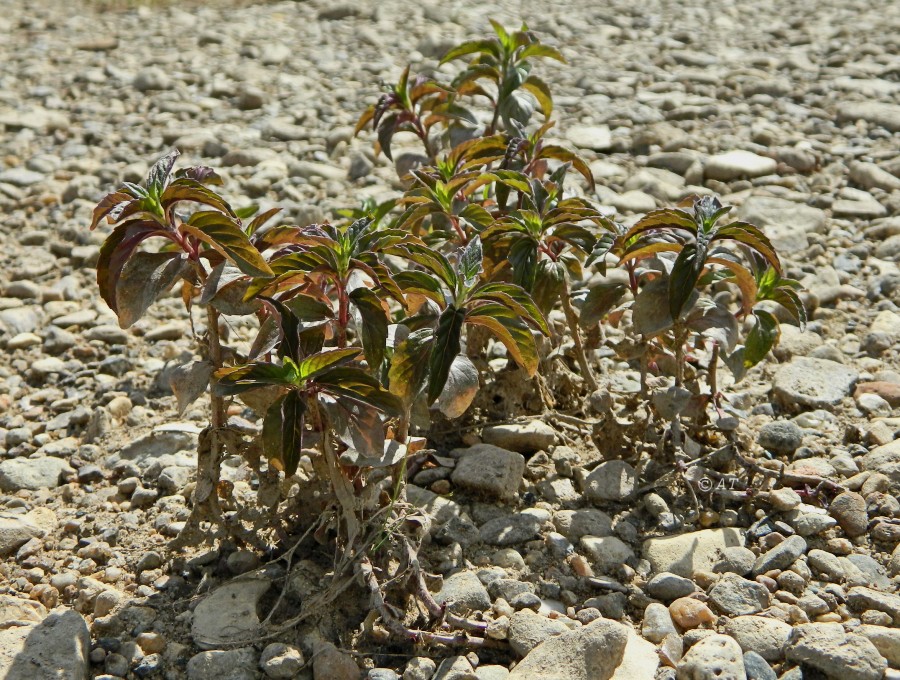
(789,111)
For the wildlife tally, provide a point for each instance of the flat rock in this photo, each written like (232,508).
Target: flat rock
(489,470)
(228,613)
(606,551)
(877,113)
(595,137)
(53,649)
(688,553)
(510,529)
(826,647)
(737,164)
(32,474)
(573,524)
(592,652)
(813,383)
(529,437)
(785,222)
(886,641)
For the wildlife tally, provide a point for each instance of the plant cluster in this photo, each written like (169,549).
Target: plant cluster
(367,323)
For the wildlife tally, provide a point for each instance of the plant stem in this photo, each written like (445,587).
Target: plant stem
(712,373)
(572,320)
(343,315)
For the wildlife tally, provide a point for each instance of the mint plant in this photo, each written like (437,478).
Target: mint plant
(385,313)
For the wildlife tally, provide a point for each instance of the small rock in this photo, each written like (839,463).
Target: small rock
(280,660)
(463,592)
(330,663)
(781,436)
(736,596)
(228,613)
(849,509)
(715,657)
(688,553)
(32,473)
(528,629)
(234,664)
(781,556)
(613,480)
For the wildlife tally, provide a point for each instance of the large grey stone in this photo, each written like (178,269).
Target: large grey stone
(813,383)
(736,164)
(220,664)
(228,614)
(489,470)
(53,649)
(691,552)
(715,657)
(884,459)
(528,629)
(17,474)
(592,652)
(529,437)
(736,596)
(826,647)
(877,113)
(613,480)
(764,635)
(463,592)
(781,556)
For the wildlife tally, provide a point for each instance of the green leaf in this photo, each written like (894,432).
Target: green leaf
(538,50)
(685,272)
(231,381)
(109,206)
(470,262)
(421,283)
(471,47)
(516,299)
(599,302)
(226,237)
(541,91)
(185,189)
(549,282)
(159,173)
(409,365)
(509,329)
(761,338)
(650,313)
(282,431)
(145,278)
(444,350)
(374,326)
(355,384)
(318,363)
(115,252)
